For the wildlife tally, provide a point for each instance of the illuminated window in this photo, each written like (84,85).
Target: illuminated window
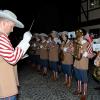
(94,4)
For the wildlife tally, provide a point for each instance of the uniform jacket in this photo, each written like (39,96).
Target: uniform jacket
(83,62)
(53,51)
(44,50)
(68,58)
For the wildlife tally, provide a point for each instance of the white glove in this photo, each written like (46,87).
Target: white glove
(24,45)
(85,54)
(65,49)
(41,46)
(83,41)
(57,40)
(34,45)
(27,36)
(48,41)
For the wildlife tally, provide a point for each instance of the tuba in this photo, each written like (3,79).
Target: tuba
(96,73)
(77,46)
(77,50)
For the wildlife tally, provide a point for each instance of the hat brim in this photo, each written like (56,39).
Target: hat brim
(42,34)
(54,34)
(17,23)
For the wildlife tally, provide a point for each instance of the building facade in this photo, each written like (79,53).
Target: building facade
(90,16)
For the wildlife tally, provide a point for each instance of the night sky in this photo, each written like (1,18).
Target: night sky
(49,14)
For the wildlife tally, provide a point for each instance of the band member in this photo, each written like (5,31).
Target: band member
(96,71)
(81,64)
(37,53)
(44,53)
(53,55)
(10,56)
(67,61)
(32,51)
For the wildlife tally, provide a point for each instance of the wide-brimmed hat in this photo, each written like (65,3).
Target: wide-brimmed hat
(12,17)
(54,33)
(63,33)
(43,34)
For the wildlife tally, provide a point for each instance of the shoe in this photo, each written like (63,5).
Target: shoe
(53,78)
(68,86)
(65,83)
(77,93)
(83,97)
(44,74)
(40,72)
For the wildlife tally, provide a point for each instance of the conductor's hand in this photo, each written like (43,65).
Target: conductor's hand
(27,36)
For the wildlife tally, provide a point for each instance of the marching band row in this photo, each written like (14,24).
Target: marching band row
(72,54)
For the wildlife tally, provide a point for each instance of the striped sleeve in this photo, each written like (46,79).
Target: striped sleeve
(7,51)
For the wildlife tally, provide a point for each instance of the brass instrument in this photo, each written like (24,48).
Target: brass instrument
(77,46)
(96,71)
(77,50)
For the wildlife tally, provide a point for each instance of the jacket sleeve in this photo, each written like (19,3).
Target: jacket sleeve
(11,55)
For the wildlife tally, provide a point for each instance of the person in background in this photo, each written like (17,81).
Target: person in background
(37,53)
(97,67)
(67,60)
(10,56)
(32,52)
(53,55)
(44,53)
(81,64)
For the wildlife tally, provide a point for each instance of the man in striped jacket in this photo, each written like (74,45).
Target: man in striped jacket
(10,56)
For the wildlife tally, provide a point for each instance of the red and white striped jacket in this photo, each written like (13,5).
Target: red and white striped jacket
(9,54)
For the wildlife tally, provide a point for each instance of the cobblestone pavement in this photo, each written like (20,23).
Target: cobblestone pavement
(34,86)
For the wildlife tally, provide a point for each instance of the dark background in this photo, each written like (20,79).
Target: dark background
(48,15)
